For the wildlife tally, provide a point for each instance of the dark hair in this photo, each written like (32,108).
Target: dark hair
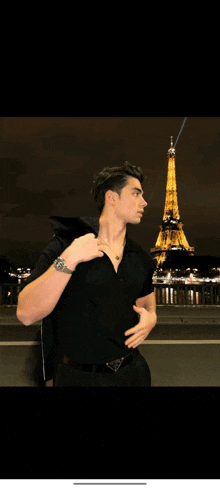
(115,179)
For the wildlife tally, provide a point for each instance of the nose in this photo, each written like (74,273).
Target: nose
(144,204)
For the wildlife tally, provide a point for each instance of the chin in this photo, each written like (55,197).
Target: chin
(135,220)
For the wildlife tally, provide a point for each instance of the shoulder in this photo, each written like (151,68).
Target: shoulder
(62,225)
(143,256)
(138,249)
(69,228)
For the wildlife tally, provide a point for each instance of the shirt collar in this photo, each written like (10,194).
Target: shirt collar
(68,224)
(93,222)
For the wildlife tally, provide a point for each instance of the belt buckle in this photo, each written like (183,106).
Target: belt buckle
(115,365)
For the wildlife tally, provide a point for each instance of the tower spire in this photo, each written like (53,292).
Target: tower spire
(172,150)
(171,236)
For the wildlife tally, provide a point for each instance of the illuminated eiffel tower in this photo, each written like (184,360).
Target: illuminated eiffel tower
(171,236)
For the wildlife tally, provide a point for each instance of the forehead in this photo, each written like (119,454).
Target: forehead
(133,183)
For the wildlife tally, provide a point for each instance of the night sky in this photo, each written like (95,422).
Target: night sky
(48,163)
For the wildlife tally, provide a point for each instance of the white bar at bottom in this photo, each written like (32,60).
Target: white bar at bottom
(110,483)
(148,484)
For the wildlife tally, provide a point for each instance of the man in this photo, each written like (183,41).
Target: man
(92,287)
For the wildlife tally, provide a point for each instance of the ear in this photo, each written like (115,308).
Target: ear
(110,197)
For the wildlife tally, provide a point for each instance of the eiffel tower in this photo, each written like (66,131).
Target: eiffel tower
(171,236)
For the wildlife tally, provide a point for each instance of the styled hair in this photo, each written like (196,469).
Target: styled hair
(115,179)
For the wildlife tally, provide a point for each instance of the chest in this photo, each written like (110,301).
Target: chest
(112,256)
(129,270)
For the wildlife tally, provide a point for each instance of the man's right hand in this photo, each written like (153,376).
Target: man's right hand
(84,248)
(39,298)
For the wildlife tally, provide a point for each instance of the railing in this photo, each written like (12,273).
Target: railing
(170,294)
(190,294)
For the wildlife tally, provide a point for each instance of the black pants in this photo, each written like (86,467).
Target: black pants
(135,374)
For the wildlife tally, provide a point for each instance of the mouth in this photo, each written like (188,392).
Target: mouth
(139,212)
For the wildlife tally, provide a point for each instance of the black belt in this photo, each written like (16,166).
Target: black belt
(106,367)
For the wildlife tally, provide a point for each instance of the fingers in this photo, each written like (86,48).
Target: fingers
(134,341)
(139,332)
(130,331)
(100,246)
(135,329)
(100,252)
(137,336)
(138,309)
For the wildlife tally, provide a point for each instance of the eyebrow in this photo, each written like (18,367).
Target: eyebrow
(138,190)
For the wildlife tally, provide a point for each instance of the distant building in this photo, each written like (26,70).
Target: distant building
(171,236)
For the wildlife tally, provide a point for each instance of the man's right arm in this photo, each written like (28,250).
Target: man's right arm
(39,298)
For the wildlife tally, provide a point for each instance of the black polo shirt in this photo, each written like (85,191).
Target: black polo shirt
(96,307)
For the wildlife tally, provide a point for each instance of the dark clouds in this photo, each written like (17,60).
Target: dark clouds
(48,164)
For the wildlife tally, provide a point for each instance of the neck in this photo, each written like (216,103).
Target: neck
(112,230)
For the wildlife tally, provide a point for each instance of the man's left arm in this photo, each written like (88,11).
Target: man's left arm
(146,308)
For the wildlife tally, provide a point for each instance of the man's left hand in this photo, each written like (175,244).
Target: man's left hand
(142,329)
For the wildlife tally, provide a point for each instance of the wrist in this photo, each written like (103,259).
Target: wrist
(153,317)
(71,262)
(152,313)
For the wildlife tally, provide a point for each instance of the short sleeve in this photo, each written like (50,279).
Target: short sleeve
(148,287)
(47,257)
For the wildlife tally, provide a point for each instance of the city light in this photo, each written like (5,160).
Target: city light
(19,273)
